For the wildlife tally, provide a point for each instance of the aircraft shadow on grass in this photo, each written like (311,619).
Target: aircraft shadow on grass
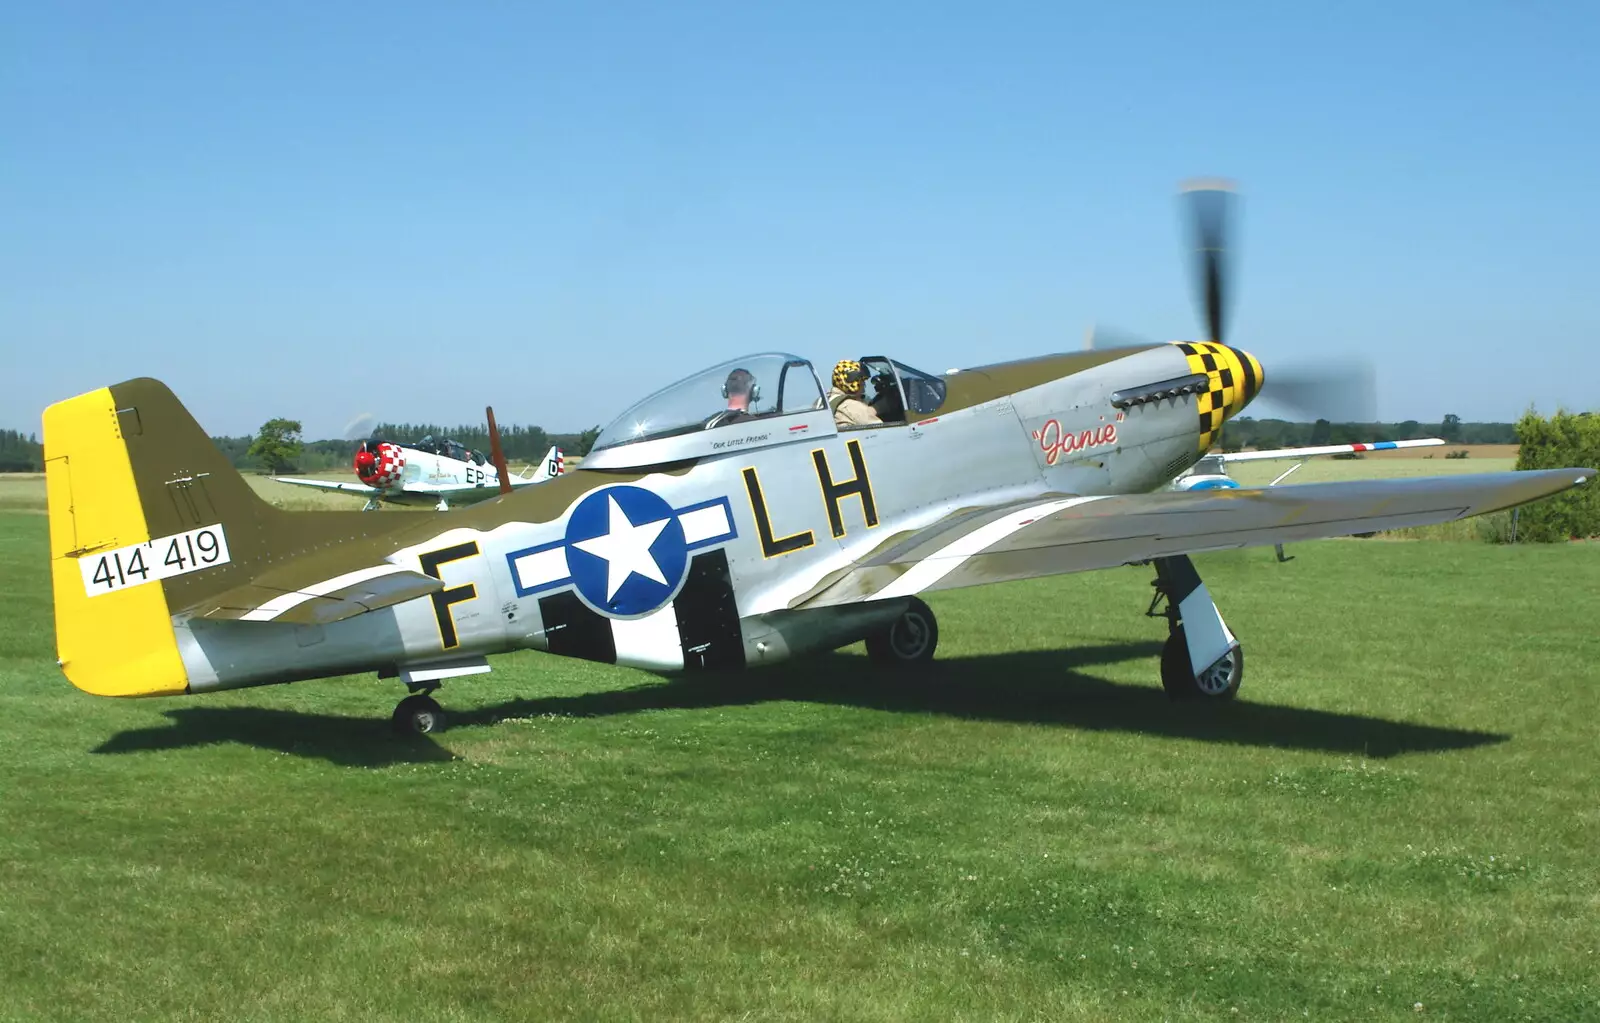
(336,738)
(1034,687)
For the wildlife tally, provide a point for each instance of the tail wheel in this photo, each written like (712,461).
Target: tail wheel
(1220,681)
(909,639)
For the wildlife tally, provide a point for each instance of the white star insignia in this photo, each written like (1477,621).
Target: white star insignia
(625,548)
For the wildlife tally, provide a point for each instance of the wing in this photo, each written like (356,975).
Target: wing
(349,488)
(1327,449)
(1079,534)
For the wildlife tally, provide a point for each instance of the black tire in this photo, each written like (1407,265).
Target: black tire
(909,639)
(1220,682)
(419,715)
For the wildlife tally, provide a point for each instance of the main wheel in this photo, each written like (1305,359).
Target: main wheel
(1218,682)
(418,715)
(909,639)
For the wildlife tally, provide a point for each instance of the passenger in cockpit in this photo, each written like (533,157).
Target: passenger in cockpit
(741,390)
(845,396)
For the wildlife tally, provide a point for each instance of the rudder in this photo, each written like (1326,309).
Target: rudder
(114,634)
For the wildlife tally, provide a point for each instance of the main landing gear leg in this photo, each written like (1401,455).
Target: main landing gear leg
(371,505)
(419,713)
(1201,659)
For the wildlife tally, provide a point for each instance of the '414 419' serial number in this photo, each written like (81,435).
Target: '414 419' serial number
(160,558)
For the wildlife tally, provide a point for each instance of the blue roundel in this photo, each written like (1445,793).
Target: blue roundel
(1215,484)
(626,551)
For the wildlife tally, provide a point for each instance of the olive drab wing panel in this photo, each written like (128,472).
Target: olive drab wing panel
(322,603)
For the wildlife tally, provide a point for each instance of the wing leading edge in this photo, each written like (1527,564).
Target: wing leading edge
(1080,534)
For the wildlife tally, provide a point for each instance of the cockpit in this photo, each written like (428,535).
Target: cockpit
(897,392)
(765,386)
(449,449)
(755,400)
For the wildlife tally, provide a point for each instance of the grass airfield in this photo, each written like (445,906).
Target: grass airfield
(1400,810)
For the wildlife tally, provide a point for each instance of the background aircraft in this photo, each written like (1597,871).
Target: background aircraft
(1211,472)
(429,472)
(694,539)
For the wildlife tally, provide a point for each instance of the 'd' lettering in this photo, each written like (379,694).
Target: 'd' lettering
(859,485)
(442,599)
(772,547)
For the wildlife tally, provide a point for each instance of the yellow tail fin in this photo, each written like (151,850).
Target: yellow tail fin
(116,639)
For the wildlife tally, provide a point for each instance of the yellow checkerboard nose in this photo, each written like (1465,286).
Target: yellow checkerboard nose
(1234,376)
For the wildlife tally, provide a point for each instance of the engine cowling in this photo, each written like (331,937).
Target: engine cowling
(379,464)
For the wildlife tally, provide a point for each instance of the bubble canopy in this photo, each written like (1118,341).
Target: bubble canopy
(779,384)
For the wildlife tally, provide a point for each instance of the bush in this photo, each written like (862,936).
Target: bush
(1562,441)
(1458,453)
(1492,528)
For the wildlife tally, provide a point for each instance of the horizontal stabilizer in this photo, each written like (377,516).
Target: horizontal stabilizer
(322,603)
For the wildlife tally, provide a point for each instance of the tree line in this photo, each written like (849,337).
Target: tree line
(20,452)
(1262,434)
(278,447)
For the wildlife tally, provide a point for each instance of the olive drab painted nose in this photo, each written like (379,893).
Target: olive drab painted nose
(1233,376)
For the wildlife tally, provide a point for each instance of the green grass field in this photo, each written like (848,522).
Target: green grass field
(1397,820)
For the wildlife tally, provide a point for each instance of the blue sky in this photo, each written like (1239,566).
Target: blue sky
(319,210)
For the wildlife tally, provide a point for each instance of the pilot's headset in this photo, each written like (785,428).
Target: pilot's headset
(755,388)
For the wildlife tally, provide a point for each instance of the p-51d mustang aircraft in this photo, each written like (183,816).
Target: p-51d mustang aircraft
(712,526)
(429,472)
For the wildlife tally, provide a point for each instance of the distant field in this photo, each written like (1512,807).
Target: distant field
(22,491)
(1322,470)
(1396,821)
(1472,450)
(294,498)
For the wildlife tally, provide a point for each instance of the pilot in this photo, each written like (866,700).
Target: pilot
(845,396)
(740,389)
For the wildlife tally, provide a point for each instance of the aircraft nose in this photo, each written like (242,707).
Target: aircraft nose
(1251,379)
(1233,378)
